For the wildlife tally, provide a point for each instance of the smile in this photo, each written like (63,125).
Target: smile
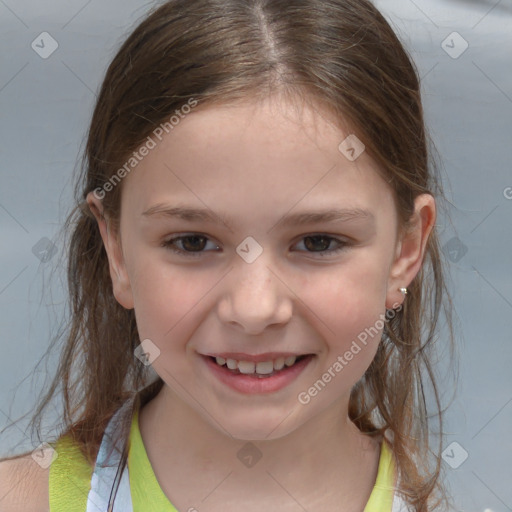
(267,375)
(261,369)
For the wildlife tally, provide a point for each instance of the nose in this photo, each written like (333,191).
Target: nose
(255,298)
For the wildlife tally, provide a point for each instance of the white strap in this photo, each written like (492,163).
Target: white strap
(103,477)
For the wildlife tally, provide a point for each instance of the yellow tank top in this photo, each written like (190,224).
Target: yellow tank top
(70,478)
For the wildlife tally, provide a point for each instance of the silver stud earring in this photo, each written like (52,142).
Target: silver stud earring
(403,291)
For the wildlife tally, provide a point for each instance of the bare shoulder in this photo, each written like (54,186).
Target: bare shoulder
(23,485)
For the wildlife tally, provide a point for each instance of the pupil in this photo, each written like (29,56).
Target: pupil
(324,239)
(193,246)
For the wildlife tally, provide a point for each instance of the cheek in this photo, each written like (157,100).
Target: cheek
(347,298)
(167,300)
(348,310)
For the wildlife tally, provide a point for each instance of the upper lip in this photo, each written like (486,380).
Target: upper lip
(267,356)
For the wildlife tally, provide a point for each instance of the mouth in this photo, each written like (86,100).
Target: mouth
(258,367)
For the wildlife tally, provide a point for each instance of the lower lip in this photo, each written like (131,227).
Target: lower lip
(252,384)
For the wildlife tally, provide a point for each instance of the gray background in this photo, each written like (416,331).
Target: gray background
(45,107)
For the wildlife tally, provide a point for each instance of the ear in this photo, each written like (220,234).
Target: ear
(111,240)
(411,249)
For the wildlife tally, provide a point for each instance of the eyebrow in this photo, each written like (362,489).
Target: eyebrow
(294,219)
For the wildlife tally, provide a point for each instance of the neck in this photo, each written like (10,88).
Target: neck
(327,452)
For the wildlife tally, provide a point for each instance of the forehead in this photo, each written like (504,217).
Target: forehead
(253,154)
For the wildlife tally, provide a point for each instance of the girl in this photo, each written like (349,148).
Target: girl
(254,273)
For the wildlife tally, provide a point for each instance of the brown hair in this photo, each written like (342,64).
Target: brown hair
(344,56)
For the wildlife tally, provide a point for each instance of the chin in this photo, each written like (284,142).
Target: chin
(258,426)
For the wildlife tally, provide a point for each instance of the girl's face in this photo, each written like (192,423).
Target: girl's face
(292,250)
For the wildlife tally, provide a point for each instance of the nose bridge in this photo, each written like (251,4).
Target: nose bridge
(254,297)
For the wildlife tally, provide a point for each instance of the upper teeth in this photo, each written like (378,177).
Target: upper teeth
(263,367)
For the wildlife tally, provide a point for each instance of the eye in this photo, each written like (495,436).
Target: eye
(192,245)
(319,244)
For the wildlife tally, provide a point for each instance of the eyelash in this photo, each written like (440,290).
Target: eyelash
(168,244)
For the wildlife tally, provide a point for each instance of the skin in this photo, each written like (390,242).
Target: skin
(253,163)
